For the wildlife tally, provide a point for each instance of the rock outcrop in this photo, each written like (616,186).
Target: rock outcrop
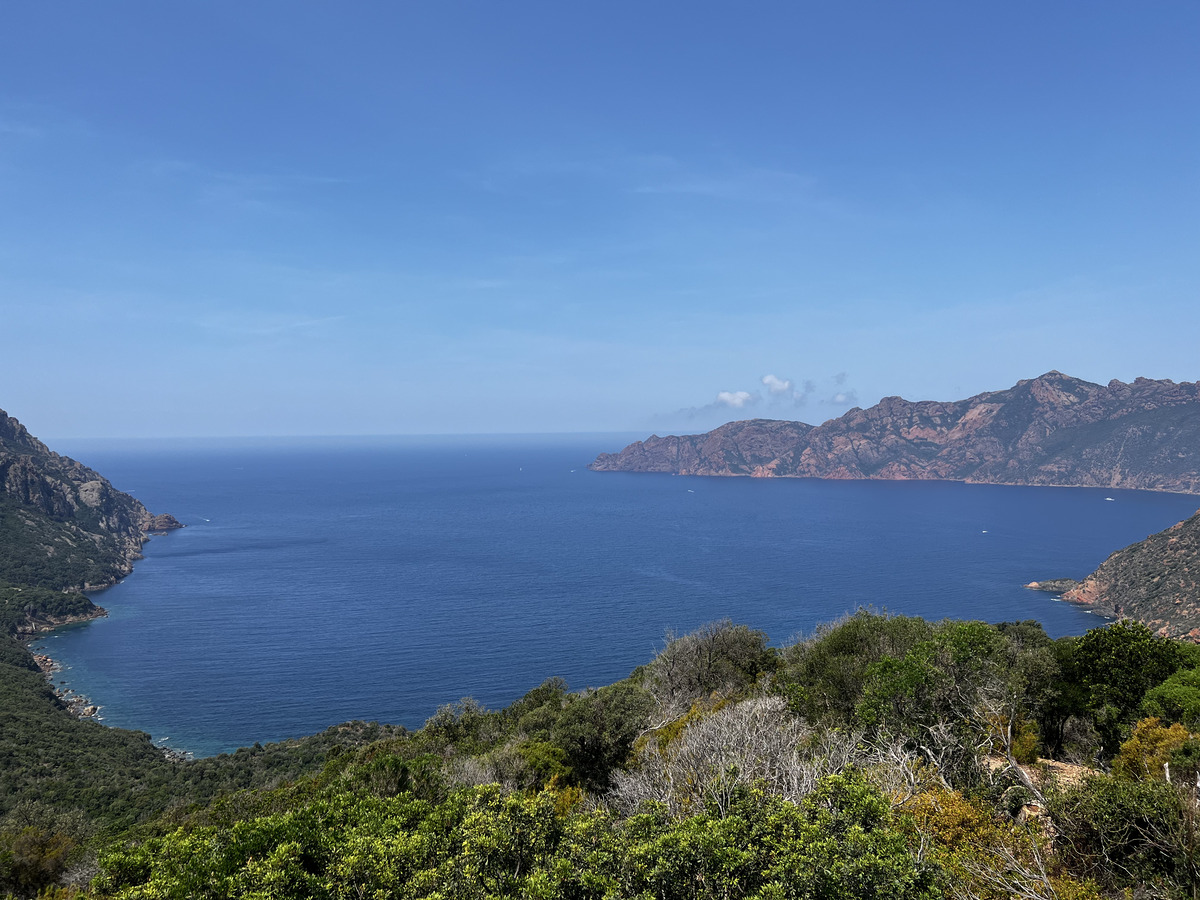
(162,523)
(63,525)
(1155,581)
(1052,430)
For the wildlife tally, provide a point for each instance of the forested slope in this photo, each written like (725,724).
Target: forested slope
(881,757)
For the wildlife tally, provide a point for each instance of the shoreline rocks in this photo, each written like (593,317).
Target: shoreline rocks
(1053,585)
(78,705)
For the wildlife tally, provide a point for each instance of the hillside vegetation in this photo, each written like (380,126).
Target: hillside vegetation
(1156,581)
(881,756)
(62,525)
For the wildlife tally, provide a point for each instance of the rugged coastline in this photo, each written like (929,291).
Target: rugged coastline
(64,526)
(1053,585)
(1155,581)
(65,531)
(36,627)
(76,704)
(1051,430)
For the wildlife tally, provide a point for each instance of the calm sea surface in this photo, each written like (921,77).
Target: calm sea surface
(320,581)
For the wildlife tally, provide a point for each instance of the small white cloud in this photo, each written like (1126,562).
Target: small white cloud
(780,398)
(777,385)
(735,399)
(725,400)
(783,391)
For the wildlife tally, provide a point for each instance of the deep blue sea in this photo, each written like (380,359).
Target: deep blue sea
(325,580)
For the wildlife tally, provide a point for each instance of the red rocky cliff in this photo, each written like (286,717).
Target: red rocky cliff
(1052,430)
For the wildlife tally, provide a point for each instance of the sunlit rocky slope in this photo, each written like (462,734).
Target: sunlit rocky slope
(64,526)
(1052,430)
(1156,581)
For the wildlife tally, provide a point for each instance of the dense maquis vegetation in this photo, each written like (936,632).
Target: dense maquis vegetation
(25,609)
(67,784)
(881,756)
(44,551)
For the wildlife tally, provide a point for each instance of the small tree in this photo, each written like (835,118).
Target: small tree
(1148,750)
(719,658)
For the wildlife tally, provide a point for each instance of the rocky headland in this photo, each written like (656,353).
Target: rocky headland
(64,525)
(1054,585)
(1051,430)
(1155,581)
(64,529)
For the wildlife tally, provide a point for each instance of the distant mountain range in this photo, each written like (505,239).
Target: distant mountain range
(62,525)
(1052,430)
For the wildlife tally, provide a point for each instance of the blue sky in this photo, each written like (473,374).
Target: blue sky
(380,218)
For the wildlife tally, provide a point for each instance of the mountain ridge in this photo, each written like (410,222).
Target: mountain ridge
(1050,430)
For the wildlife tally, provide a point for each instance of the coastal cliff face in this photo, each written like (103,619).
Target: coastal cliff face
(64,525)
(1155,581)
(1052,430)
(739,448)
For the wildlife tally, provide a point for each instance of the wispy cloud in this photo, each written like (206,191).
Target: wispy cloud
(782,391)
(736,399)
(776,385)
(842,396)
(723,403)
(782,397)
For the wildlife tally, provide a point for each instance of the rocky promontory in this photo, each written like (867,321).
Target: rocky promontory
(64,526)
(1054,585)
(1155,581)
(162,523)
(1051,430)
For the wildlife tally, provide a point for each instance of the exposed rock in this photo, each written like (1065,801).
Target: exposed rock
(64,526)
(1155,581)
(1054,585)
(1052,430)
(739,448)
(36,624)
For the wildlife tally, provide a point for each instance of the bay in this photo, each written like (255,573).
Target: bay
(323,580)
